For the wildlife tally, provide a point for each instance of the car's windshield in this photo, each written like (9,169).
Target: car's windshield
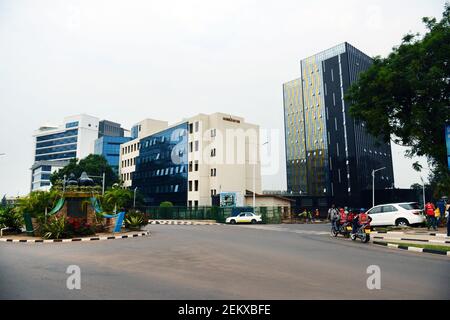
(410,206)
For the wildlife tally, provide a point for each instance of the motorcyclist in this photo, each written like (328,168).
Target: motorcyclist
(360,219)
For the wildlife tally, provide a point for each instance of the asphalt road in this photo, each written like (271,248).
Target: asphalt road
(221,262)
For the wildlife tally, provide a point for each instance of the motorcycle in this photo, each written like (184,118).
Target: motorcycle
(344,229)
(362,233)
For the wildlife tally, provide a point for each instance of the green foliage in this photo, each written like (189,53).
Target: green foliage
(117,198)
(407,94)
(11,218)
(54,228)
(166,204)
(135,219)
(93,165)
(37,201)
(166,210)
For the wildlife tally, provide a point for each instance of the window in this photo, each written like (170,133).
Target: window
(213,172)
(388,209)
(190,166)
(213,152)
(375,210)
(72,124)
(190,146)
(176,188)
(190,204)
(196,166)
(196,145)
(213,133)
(196,185)
(190,185)
(196,126)
(410,206)
(213,192)
(196,203)
(191,128)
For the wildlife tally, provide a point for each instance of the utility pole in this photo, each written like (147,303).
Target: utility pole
(134,199)
(373,184)
(103,184)
(423,192)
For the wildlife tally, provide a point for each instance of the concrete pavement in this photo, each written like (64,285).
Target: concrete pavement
(221,262)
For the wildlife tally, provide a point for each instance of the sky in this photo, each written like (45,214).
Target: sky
(129,60)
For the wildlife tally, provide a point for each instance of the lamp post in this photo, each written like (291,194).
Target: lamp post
(134,199)
(373,184)
(423,192)
(254,178)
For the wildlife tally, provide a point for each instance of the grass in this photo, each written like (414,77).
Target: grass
(424,246)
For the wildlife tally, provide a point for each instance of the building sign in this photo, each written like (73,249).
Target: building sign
(447,138)
(231,199)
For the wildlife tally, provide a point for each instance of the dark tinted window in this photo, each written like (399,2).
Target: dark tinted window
(410,206)
(375,210)
(389,209)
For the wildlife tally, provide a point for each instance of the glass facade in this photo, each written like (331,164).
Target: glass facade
(68,133)
(327,152)
(109,147)
(162,167)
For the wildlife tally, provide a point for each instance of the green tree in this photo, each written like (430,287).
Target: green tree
(117,198)
(407,95)
(93,165)
(37,202)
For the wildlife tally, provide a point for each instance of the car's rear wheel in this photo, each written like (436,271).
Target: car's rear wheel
(233,221)
(401,222)
(254,221)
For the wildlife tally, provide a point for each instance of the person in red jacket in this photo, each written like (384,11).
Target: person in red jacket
(431,219)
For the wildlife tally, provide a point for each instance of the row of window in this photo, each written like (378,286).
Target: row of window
(64,134)
(70,147)
(56,142)
(129,162)
(58,156)
(131,148)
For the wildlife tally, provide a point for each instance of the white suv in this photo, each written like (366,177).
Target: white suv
(398,214)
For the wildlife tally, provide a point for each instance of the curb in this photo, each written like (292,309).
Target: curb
(183,222)
(433,234)
(413,239)
(135,235)
(415,249)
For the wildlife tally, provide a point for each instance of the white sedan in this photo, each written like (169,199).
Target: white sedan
(396,214)
(244,217)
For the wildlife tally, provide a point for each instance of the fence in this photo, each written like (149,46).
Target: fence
(270,215)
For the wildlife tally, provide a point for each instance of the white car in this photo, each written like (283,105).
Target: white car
(244,217)
(397,214)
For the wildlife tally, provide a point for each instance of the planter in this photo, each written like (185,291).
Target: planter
(134,228)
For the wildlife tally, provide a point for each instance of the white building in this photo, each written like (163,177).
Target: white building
(220,155)
(55,145)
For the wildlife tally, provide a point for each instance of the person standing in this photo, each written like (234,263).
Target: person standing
(447,215)
(431,219)
(333,216)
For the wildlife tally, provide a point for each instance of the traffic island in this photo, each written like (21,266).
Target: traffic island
(21,238)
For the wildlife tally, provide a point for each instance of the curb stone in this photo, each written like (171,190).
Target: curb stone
(415,249)
(135,235)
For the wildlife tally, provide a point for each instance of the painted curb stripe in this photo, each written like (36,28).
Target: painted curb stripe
(76,239)
(415,249)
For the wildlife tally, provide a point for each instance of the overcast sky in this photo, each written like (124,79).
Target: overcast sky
(129,60)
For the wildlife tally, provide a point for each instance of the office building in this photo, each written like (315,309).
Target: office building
(190,162)
(328,154)
(55,145)
(109,147)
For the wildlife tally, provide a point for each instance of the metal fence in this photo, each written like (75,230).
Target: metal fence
(270,215)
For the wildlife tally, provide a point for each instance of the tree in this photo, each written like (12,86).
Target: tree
(93,165)
(407,95)
(118,198)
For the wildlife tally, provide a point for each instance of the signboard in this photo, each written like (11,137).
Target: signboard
(447,138)
(231,199)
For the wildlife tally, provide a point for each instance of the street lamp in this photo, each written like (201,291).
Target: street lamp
(134,199)
(254,178)
(373,184)
(423,189)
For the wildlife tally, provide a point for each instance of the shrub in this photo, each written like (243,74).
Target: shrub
(11,218)
(78,227)
(54,228)
(135,219)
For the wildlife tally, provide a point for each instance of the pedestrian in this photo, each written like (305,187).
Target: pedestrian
(431,219)
(441,205)
(437,216)
(331,212)
(317,215)
(447,215)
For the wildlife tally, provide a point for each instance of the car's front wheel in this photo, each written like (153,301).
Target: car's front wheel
(402,222)
(254,221)
(233,221)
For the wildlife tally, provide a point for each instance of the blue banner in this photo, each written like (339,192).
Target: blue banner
(447,138)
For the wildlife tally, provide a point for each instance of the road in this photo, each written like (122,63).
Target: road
(221,262)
